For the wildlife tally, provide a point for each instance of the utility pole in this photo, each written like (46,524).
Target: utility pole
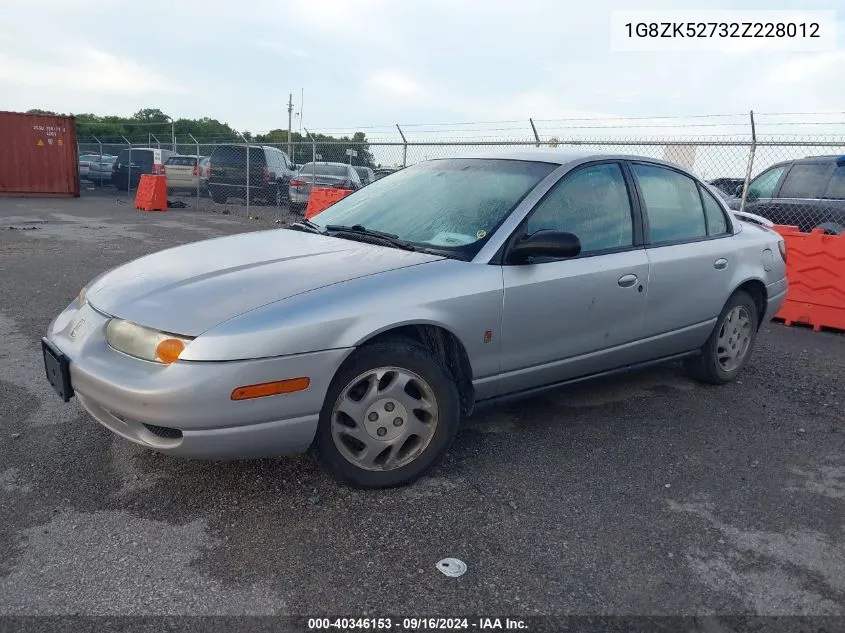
(290,121)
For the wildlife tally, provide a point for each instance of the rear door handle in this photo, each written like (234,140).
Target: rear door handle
(720,264)
(626,281)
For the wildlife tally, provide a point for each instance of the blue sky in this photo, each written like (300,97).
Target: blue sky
(377,62)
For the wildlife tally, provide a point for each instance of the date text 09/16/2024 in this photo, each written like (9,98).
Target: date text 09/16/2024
(416,624)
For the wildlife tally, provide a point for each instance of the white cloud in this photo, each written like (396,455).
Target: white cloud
(281,48)
(808,68)
(376,62)
(91,70)
(396,82)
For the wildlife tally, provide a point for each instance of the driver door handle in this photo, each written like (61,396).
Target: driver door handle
(626,281)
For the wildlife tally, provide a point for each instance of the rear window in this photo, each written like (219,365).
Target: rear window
(324,170)
(235,156)
(805,180)
(139,156)
(836,186)
(187,161)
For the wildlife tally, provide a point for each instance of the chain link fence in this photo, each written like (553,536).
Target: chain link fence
(796,179)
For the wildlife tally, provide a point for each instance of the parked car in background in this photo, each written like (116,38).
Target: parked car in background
(381,172)
(143,161)
(85,161)
(365,174)
(808,193)
(334,175)
(727,185)
(100,170)
(270,170)
(721,193)
(205,163)
(183,174)
(368,332)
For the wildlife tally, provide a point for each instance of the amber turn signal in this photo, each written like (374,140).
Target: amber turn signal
(169,349)
(290,385)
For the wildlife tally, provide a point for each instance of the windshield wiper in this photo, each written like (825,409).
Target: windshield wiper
(308,226)
(358,229)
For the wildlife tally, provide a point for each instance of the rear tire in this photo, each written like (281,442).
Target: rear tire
(395,448)
(218,196)
(729,346)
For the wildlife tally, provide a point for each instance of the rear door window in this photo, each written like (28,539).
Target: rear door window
(717,223)
(836,186)
(673,204)
(805,180)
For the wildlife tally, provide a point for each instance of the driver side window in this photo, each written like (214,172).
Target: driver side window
(763,186)
(592,203)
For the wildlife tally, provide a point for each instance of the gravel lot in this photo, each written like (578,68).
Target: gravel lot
(648,494)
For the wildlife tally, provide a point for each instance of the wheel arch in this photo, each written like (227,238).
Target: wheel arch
(446,347)
(756,289)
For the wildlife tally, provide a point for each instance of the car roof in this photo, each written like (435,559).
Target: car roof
(251,145)
(838,158)
(560,157)
(322,162)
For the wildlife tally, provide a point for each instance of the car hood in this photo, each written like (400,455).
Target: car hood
(189,289)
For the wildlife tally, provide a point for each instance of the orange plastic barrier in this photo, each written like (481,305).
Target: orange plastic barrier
(321,198)
(815,268)
(152,193)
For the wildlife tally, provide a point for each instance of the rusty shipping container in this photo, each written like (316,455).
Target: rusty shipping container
(38,155)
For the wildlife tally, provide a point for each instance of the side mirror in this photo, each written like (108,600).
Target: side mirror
(738,191)
(547,243)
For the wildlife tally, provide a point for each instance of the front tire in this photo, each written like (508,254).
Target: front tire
(390,415)
(729,346)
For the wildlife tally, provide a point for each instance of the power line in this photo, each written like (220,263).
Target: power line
(797,113)
(642,118)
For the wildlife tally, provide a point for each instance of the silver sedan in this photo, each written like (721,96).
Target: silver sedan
(368,332)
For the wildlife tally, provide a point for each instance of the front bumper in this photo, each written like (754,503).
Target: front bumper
(192,401)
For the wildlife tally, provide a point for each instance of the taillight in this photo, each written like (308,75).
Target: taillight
(782,249)
(296,183)
(266,174)
(158,170)
(196,172)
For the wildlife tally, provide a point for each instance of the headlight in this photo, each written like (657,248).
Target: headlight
(141,342)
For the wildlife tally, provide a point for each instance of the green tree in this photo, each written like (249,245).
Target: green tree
(330,148)
(147,123)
